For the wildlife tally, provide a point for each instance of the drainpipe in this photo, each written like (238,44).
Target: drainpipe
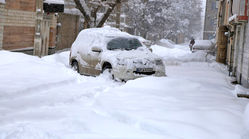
(242,54)
(230,57)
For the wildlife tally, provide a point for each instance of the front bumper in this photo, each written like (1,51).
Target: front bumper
(129,74)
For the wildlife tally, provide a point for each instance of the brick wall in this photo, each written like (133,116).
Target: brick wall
(1,24)
(18,20)
(23,5)
(16,37)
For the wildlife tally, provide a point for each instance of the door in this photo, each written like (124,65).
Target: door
(45,27)
(95,63)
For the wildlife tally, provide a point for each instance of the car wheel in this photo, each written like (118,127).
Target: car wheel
(108,70)
(75,66)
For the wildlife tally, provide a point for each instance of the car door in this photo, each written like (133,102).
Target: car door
(85,63)
(85,55)
(95,61)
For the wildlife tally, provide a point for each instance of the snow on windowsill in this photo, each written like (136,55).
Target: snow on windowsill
(54,1)
(232,17)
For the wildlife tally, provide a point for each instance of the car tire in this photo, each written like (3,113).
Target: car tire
(75,66)
(109,70)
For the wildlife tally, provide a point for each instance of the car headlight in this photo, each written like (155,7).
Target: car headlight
(121,62)
(159,62)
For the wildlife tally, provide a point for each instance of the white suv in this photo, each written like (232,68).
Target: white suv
(123,55)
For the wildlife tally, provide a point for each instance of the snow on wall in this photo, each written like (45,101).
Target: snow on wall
(53,1)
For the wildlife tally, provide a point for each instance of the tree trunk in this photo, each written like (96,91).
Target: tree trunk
(91,17)
(84,10)
(107,14)
(118,14)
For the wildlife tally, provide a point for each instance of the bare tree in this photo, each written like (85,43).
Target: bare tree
(90,8)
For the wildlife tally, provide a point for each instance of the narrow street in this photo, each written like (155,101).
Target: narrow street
(49,100)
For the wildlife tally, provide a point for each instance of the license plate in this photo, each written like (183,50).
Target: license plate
(144,69)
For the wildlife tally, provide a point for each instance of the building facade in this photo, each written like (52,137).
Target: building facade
(233,38)
(40,27)
(25,27)
(210,22)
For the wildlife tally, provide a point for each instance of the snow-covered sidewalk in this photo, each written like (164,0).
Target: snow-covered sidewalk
(45,99)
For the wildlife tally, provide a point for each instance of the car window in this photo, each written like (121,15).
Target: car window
(123,43)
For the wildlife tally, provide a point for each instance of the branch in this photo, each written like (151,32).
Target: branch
(84,10)
(107,13)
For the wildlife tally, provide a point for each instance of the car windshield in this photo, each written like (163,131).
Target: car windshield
(123,43)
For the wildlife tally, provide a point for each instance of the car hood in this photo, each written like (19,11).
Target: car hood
(132,54)
(143,57)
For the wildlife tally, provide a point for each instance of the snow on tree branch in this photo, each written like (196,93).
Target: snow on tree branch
(90,8)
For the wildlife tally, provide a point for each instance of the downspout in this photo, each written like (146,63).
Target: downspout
(231,48)
(246,6)
(232,57)
(242,54)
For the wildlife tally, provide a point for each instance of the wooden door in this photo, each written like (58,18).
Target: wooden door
(45,26)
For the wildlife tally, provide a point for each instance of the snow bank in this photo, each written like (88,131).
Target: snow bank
(240,90)
(51,101)
(180,54)
(166,43)
(22,66)
(42,98)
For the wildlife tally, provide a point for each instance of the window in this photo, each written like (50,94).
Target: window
(213,5)
(217,4)
(123,43)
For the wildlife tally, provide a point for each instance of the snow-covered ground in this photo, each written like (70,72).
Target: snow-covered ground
(43,98)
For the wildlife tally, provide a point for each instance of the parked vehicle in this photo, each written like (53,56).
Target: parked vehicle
(121,54)
(204,45)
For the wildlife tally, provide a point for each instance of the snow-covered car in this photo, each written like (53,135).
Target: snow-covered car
(204,45)
(98,49)
(166,43)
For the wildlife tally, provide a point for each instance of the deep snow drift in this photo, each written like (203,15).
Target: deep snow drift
(43,98)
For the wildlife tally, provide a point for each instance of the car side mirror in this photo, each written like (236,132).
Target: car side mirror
(97,49)
(150,49)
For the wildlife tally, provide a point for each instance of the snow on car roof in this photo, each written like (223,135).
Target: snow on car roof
(106,31)
(97,37)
